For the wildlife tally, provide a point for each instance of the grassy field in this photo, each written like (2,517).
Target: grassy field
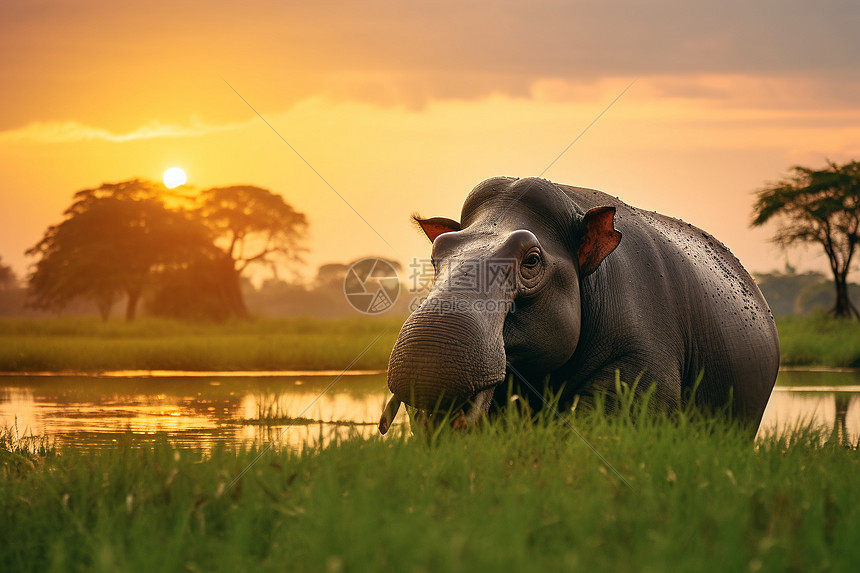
(819,340)
(512,496)
(88,344)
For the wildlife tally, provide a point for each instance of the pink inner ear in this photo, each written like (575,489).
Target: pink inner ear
(436,226)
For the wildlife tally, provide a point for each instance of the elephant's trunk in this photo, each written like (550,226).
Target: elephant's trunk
(447,355)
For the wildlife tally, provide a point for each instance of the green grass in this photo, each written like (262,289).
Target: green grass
(511,496)
(20,451)
(819,340)
(87,345)
(90,345)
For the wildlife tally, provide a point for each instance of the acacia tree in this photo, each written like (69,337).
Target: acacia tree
(251,225)
(111,242)
(820,207)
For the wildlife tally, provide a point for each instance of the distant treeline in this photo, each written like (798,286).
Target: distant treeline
(184,252)
(793,293)
(787,294)
(137,246)
(322,297)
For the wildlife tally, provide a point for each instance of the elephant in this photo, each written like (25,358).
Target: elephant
(568,288)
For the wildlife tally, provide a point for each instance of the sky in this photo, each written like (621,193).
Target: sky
(362,113)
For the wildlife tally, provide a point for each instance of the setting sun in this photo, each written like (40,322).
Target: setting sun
(174,177)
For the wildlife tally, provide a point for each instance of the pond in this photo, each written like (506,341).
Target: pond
(199,410)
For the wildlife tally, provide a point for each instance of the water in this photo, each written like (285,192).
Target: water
(199,410)
(827,399)
(193,410)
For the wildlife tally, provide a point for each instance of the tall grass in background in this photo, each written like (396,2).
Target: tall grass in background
(80,344)
(819,340)
(88,344)
(513,495)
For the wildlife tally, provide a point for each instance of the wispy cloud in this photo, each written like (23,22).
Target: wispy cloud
(72,131)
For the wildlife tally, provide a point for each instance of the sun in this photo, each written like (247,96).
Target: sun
(174,177)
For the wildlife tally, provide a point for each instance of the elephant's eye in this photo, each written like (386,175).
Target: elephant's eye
(531,260)
(532,268)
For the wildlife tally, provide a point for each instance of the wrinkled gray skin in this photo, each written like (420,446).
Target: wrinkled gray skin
(669,302)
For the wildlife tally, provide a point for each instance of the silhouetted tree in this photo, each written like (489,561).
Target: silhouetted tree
(818,206)
(251,225)
(8,280)
(111,242)
(324,296)
(330,276)
(196,291)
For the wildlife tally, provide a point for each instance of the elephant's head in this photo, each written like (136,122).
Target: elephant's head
(506,290)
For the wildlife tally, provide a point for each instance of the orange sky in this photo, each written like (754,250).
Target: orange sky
(404,106)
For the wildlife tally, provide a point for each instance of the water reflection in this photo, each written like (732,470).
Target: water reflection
(193,412)
(199,411)
(820,399)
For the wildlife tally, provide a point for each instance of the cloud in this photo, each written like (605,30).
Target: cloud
(446,49)
(72,131)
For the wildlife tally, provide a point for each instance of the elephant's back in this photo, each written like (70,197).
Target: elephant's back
(717,285)
(730,331)
(683,283)
(695,260)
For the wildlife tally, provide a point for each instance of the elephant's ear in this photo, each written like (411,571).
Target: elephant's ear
(599,240)
(435,226)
